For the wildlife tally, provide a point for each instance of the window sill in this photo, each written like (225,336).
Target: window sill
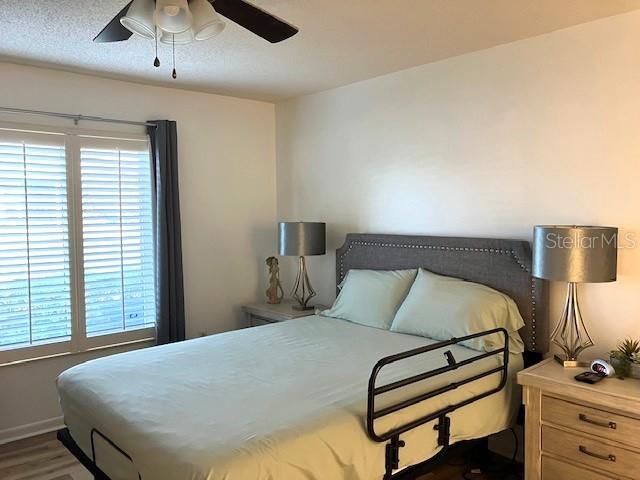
(150,341)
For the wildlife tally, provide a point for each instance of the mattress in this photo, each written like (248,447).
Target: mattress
(281,401)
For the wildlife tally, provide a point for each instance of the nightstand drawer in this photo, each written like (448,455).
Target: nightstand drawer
(554,469)
(590,452)
(590,420)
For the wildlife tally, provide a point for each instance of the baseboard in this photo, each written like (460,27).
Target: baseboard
(30,429)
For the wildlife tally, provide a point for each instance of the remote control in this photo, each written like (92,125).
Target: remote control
(589,377)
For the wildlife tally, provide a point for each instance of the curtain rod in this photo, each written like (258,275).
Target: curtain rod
(75,117)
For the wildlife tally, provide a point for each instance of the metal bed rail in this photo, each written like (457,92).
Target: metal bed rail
(392,451)
(91,463)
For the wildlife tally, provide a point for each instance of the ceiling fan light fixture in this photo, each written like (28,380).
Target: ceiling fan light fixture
(173,16)
(206,22)
(139,18)
(182,38)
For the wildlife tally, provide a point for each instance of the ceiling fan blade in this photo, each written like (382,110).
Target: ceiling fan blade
(254,19)
(114,31)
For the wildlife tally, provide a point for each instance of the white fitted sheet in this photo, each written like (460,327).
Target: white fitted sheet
(281,401)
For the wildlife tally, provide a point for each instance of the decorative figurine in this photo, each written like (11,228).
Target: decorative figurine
(274,292)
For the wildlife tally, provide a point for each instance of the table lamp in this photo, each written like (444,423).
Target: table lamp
(299,239)
(574,254)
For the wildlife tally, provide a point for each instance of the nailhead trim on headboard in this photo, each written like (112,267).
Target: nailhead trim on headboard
(493,251)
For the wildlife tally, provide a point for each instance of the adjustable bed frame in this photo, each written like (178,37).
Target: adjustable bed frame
(501,264)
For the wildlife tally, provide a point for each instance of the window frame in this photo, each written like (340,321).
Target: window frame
(79,341)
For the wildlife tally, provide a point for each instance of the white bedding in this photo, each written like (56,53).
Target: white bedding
(282,401)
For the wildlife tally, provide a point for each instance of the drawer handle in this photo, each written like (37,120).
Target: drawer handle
(582,417)
(609,458)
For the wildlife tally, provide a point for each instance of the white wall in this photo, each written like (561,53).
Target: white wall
(227,194)
(544,130)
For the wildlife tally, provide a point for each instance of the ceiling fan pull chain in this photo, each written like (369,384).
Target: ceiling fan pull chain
(156,62)
(173,74)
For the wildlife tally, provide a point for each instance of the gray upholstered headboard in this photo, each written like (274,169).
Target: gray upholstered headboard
(501,264)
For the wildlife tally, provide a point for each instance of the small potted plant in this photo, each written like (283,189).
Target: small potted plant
(626,359)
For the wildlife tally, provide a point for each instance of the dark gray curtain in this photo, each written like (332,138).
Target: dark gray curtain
(164,152)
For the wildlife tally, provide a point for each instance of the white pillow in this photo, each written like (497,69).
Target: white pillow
(441,307)
(371,297)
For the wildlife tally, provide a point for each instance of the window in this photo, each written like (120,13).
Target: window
(77,267)
(35,287)
(117,236)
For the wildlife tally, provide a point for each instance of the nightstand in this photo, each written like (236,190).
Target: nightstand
(576,431)
(264,313)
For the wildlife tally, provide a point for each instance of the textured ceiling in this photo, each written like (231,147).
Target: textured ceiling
(340,41)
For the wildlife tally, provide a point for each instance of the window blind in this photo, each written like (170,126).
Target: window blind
(118,247)
(35,280)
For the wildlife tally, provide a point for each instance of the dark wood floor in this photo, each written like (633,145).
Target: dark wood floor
(44,458)
(39,458)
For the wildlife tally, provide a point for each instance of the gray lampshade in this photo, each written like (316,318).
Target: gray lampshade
(301,238)
(576,254)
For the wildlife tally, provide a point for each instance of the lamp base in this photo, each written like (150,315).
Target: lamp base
(570,363)
(302,289)
(302,308)
(570,333)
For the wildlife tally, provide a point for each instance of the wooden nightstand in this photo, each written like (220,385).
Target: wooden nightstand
(264,313)
(576,431)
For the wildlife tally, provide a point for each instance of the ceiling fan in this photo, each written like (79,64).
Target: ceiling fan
(244,14)
(179,22)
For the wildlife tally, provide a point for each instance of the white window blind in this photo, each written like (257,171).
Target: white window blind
(35,280)
(117,236)
(77,254)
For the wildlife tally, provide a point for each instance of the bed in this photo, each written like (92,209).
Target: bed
(292,400)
